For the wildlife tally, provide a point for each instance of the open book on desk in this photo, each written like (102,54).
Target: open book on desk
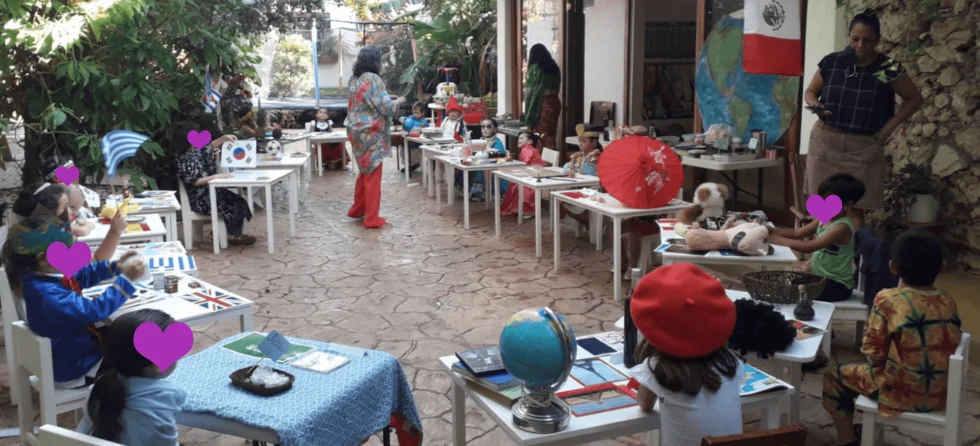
(756,381)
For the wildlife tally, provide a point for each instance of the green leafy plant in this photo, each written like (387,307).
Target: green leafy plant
(292,74)
(462,41)
(902,187)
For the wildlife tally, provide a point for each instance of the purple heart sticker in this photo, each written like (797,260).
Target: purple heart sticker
(163,348)
(69,260)
(66,175)
(823,210)
(199,140)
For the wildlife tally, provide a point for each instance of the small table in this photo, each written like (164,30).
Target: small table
(256,178)
(334,136)
(342,407)
(163,202)
(734,167)
(453,164)
(614,210)
(292,161)
(540,186)
(163,257)
(192,306)
(614,423)
(799,352)
(156,233)
(573,141)
(782,257)
(426,171)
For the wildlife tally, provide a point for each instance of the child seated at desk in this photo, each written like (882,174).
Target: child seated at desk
(531,156)
(56,309)
(53,200)
(686,318)
(131,403)
(912,331)
(412,126)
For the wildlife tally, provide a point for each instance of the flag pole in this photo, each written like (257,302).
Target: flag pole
(316,66)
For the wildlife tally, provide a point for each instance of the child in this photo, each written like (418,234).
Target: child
(532,157)
(331,154)
(130,403)
(833,248)
(413,125)
(488,128)
(911,332)
(684,361)
(54,200)
(495,146)
(453,126)
(56,309)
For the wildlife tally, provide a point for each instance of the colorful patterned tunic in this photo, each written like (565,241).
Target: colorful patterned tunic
(585,164)
(368,125)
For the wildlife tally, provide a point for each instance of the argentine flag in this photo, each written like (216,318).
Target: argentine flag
(118,145)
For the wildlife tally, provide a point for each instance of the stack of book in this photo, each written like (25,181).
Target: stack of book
(485,372)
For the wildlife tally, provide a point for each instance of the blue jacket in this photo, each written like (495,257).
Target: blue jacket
(498,145)
(150,416)
(410,123)
(56,312)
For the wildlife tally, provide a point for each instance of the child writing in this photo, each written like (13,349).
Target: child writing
(413,126)
(912,331)
(531,156)
(56,309)
(684,361)
(131,403)
(833,248)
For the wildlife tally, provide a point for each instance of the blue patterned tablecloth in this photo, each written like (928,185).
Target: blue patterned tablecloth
(340,408)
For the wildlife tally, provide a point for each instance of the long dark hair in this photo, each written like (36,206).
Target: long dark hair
(178,137)
(16,265)
(108,398)
(29,197)
(541,57)
(535,139)
(689,375)
(867,18)
(368,61)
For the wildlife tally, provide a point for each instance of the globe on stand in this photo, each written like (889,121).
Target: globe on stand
(538,347)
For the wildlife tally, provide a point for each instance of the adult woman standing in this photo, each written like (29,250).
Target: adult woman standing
(369,112)
(853,93)
(542,107)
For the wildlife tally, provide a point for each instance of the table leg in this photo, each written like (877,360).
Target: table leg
(466,200)
(170,219)
(617,257)
(435,179)
(486,189)
(770,416)
(537,223)
(245,321)
(557,233)
(759,189)
(520,204)
(430,168)
(293,205)
(319,159)
(214,219)
(251,201)
(794,379)
(344,159)
(408,163)
(268,218)
(294,197)
(599,221)
(450,176)
(459,415)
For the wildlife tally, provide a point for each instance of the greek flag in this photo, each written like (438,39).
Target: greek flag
(118,145)
(211,96)
(172,263)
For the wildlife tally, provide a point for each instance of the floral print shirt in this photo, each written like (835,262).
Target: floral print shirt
(585,164)
(369,112)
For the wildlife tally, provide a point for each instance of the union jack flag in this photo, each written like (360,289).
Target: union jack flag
(213,300)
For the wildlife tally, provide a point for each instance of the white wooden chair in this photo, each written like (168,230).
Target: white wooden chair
(550,156)
(854,309)
(947,424)
(34,368)
(191,219)
(13,311)
(56,436)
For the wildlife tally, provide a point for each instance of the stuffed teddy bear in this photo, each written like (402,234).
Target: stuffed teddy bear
(702,240)
(748,239)
(711,197)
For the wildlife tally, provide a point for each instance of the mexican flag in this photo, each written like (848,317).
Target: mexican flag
(771,43)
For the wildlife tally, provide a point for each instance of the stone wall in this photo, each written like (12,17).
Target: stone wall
(936,40)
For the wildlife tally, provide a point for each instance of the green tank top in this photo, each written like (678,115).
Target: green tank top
(834,262)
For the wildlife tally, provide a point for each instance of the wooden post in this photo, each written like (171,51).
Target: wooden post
(573,70)
(791,185)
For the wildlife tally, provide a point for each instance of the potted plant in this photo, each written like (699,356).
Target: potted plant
(913,194)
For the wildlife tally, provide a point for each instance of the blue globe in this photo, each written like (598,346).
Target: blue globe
(533,349)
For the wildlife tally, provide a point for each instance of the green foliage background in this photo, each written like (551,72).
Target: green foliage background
(75,70)
(292,69)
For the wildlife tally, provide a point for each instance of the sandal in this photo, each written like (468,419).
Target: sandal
(241,240)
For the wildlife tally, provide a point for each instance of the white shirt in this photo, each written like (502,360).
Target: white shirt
(449,128)
(686,419)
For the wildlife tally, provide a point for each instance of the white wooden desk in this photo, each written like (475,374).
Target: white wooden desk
(164,203)
(291,161)
(782,257)
(331,137)
(540,186)
(573,140)
(451,165)
(735,166)
(426,156)
(157,232)
(614,210)
(799,352)
(611,424)
(256,178)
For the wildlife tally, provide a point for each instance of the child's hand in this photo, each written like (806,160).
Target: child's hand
(131,266)
(118,224)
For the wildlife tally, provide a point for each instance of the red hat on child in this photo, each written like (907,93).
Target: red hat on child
(453,105)
(683,311)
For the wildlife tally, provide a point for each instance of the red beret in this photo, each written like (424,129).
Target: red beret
(683,311)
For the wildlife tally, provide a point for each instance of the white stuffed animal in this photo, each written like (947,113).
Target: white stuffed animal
(711,197)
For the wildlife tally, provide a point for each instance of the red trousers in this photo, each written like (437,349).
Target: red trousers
(367,199)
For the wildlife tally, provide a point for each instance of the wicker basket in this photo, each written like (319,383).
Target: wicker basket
(782,287)
(239,378)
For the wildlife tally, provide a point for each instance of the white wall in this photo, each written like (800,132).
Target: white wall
(505,57)
(605,55)
(825,33)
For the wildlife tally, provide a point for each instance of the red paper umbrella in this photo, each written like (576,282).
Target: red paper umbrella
(641,172)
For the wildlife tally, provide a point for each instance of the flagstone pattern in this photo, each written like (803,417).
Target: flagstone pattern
(423,287)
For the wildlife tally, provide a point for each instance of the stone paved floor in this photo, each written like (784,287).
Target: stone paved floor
(424,287)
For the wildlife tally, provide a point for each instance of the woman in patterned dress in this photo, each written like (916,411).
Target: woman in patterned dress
(542,107)
(195,168)
(369,112)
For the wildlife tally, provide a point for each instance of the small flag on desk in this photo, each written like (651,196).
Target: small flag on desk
(274,346)
(118,145)
(172,263)
(213,300)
